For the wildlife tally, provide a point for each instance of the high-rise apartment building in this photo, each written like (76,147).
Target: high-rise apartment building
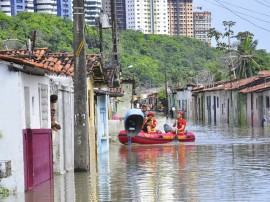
(45,6)
(202,25)
(148,16)
(92,10)
(120,8)
(180,17)
(11,7)
(54,7)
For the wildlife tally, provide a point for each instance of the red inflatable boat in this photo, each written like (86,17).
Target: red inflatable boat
(155,138)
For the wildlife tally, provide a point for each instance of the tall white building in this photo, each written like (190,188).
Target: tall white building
(148,16)
(202,26)
(92,10)
(54,7)
(45,6)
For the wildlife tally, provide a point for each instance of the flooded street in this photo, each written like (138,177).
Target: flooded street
(223,164)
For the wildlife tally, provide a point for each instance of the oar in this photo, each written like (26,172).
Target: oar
(176,134)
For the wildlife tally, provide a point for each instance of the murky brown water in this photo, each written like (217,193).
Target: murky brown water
(223,164)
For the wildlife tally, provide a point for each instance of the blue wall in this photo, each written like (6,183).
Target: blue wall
(64,8)
(17,6)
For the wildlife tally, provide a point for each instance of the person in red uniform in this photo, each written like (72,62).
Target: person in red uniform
(180,123)
(149,124)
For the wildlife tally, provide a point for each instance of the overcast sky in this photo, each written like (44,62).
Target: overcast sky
(249,15)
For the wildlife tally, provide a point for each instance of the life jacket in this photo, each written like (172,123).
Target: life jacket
(153,122)
(179,125)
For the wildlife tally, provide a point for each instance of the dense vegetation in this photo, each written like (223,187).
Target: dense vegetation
(148,56)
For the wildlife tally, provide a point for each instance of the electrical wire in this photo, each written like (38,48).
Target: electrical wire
(262,3)
(225,7)
(245,8)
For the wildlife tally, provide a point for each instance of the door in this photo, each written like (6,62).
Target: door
(260,111)
(215,109)
(38,158)
(208,103)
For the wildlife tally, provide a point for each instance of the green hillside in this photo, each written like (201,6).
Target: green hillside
(149,55)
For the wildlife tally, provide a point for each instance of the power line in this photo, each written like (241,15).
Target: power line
(223,6)
(262,3)
(245,8)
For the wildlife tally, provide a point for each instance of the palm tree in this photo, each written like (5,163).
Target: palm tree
(247,59)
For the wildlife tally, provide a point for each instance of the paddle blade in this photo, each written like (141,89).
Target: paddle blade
(167,128)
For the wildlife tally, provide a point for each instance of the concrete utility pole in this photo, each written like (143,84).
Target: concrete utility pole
(114,32)
(81,138)
(166,95)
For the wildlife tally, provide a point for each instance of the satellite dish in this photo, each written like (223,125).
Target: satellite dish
(13,44)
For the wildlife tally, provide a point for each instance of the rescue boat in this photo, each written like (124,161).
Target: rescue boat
(155,138)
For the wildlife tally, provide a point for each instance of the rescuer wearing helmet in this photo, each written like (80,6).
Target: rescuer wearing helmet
(149,123)
(180,124)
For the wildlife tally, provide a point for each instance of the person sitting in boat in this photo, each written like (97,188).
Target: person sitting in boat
(149,124)
(180,124)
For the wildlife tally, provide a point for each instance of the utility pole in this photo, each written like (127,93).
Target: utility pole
(116,79)
(81,138)
(114,31)
(166,94)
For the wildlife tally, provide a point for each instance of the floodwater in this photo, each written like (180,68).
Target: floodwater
(223,164)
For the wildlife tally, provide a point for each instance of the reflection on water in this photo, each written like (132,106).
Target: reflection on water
(223,164)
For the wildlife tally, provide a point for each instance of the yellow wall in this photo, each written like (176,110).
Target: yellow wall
(92,132)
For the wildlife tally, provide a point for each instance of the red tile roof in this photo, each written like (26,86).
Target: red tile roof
(230,85)
(264,73)
(260,87)
(60,63)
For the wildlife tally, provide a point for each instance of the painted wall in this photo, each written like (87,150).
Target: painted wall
(91,120)
(11,140)
(102,124)
(255,109)
(21,107)
(266,108)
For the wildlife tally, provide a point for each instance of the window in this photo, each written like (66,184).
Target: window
(43,105)
(267,101)
(217,102)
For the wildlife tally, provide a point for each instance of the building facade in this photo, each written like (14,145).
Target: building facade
(180,17)
(202,25)
(120,9)
(54,7)
(11,7)
(92,10)
(149,17)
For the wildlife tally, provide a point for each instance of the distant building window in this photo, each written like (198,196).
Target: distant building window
(267,102)
(217,102)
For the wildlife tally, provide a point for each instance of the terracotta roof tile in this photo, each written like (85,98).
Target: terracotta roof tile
(260,87)
(61,63)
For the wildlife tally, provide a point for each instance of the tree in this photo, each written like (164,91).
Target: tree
(247,50)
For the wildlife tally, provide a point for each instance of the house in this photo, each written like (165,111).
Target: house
(183,100)
(26,120)
(29,81)
(224,103)
(258,103)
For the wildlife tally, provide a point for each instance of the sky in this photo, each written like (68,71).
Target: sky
(249,15)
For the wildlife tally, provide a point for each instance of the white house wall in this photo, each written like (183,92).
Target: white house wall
(33,82)
(266,109)
(19,109)
(11,138)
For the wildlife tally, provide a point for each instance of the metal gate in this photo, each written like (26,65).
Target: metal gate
(38,158)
